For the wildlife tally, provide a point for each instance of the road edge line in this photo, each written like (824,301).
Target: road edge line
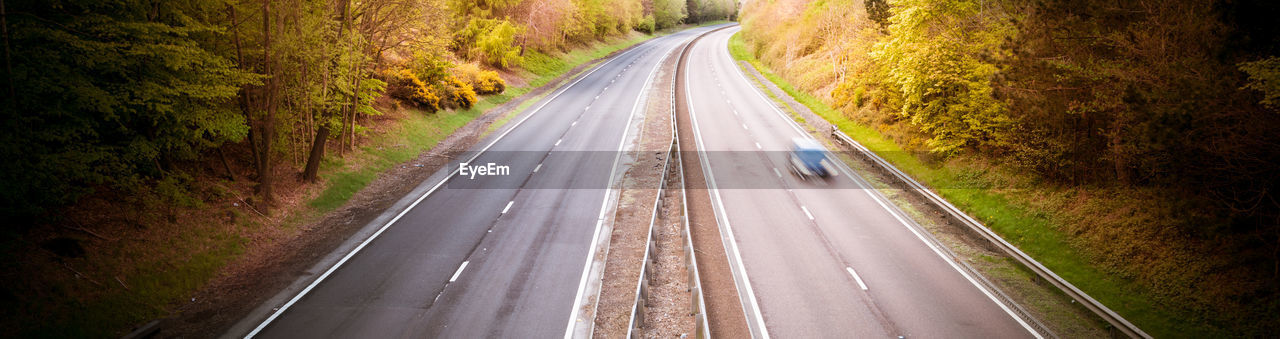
(739,270)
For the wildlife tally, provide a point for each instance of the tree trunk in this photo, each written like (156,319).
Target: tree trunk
(268,123)
(8,64)
(226,165)
(317,154)
(244,90)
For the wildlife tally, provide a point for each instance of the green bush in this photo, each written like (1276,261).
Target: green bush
(429,67)
(645,25)
(490,40)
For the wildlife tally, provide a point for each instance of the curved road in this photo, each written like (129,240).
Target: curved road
(819,259)
(497,256)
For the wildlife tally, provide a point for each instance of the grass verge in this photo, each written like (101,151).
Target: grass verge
(1034,231)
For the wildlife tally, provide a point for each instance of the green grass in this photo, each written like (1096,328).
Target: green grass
(420,131)
(546,67)
(1030,230)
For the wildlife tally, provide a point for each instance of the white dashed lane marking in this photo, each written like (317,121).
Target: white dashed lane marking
(856,278)
(458,273)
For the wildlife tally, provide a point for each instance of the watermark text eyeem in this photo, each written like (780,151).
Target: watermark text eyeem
(470,171)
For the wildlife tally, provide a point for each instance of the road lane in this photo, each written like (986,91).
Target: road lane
(524,248)
(800,241)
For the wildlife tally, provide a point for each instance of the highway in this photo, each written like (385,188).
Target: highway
(495,256)
(819,259)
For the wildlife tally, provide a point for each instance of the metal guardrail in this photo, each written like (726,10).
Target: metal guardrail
(642,286)
(698,309)
(698,305)
(954,213)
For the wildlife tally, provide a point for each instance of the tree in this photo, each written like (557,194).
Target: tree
(668,13)
(110,94)
(946,88)
(1264,76)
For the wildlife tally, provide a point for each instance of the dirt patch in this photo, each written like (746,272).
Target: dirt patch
(272,261)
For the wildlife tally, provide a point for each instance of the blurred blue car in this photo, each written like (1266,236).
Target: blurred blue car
(808,159)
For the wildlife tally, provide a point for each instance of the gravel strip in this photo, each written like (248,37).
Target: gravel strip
(630,235)
(668,313)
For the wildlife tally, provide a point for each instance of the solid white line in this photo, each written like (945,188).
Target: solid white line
(723,218)
(384,227)
(459,272)
(535,169)
(866,189)
(856,278)
(775,171)
(806,212)
(505,209)
(956,267)
(595,237)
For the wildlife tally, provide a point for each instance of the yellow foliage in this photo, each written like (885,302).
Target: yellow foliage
(456,93)
(482,81)
(404,85)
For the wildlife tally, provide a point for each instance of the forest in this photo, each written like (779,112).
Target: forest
(120,94)
(138,113)
(1145,131)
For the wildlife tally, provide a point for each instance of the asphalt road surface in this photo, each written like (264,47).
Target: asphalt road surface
(821,259)
(491,257)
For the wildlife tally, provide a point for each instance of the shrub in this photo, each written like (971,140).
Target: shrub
(488,82)
(405,86)
(645,25)
(483,82)
(490,40)
(456,93)
(429,67)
